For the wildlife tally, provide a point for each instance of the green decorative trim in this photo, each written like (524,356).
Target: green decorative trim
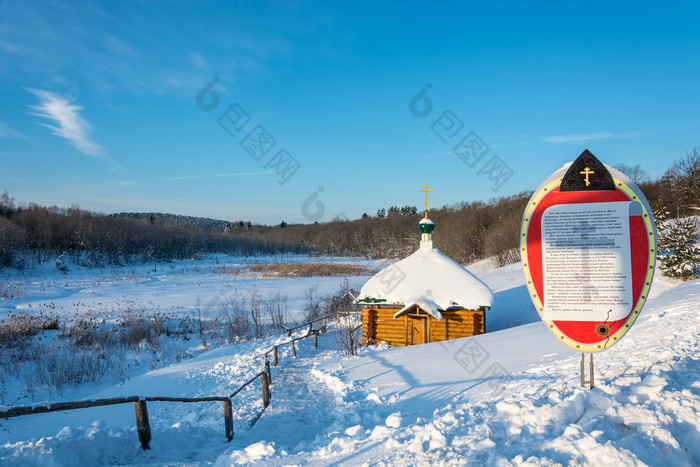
(372,300)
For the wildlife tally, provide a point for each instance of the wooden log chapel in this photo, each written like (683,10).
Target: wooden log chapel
(426,297)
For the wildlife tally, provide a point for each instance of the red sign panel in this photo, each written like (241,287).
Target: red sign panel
(588,244)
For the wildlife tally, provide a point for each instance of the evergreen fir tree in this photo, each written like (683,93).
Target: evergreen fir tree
(678,251)
(660,215)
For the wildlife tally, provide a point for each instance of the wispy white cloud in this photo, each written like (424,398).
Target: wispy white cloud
(572,138)
(8,133)
(199,61)
(135,51)
(191,177)
(69,123)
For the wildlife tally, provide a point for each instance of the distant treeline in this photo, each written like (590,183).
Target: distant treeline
(183,221)
(32,234)
(466,231)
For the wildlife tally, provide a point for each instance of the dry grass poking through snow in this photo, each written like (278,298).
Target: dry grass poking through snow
(13,288)
(23,325)
(55,351)
(309,269)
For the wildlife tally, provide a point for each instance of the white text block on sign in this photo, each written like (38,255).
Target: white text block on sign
(586,262)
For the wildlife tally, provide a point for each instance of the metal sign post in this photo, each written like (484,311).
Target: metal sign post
(591,380)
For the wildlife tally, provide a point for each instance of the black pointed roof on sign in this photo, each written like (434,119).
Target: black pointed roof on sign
(587,173)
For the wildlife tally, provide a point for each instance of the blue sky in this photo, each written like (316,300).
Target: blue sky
(100,103)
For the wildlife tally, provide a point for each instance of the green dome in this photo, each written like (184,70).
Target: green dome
(426,226)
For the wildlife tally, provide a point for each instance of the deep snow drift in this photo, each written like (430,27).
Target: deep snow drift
(507,397)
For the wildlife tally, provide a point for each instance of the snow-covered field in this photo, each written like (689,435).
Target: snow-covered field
(508,397)
(180,291)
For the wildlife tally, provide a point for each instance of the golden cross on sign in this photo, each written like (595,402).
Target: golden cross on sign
(426,191)
(587,172)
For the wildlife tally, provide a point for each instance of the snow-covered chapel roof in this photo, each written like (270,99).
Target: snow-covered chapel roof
(428,279)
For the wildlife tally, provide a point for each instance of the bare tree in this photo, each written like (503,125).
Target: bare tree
(276,308)
(313,303)
(348,334)
(635,172)
(681,184)
(7,204)
(256,312)
(236,321)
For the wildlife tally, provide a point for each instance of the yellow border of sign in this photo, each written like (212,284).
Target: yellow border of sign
(534,201)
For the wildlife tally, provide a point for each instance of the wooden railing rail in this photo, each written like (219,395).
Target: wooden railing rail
(57,406)
(266,380)
(275,352)
(324,318)
(308,323)
(244,385)
(186,399)
(143,426)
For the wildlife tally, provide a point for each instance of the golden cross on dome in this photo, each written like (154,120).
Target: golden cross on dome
(587,171)
(426,191)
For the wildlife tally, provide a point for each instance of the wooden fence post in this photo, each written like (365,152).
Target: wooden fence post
(269,373)
(265,390)
(228,419)
(274,355)
(316,340)
(142,425)
(294,350)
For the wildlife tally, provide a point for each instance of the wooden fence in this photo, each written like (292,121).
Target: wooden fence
(323,318)
(275,352)
(309,324)
(143,426)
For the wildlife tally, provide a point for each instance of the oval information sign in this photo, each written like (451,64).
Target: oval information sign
(588,244)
